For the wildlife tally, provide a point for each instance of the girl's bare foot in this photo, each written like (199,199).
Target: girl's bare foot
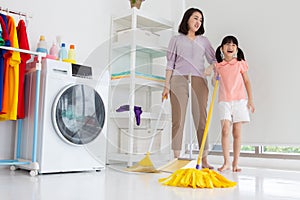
(224,168)
(236,169)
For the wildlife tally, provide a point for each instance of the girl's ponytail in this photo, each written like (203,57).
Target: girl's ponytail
(240,54)
(219,56)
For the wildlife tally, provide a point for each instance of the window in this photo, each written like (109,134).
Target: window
(282,150)
(263,151)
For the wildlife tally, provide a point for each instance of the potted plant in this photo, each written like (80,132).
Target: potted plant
(136,3)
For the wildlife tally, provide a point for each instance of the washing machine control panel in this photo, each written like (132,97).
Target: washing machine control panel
(81,71)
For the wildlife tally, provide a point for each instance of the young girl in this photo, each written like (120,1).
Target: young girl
(235,97)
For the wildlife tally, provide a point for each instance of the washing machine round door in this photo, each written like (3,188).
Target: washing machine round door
(78,114)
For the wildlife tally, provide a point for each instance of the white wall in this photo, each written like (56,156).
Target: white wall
(83,23)
(269,36)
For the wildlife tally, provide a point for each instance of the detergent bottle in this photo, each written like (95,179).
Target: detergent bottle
(72,54)
(54,51)
(63,54)
(42,45)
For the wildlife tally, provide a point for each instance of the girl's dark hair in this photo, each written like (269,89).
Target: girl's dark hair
(226,40)
(184,27)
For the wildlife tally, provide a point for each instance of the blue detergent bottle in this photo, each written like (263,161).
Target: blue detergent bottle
(63,53)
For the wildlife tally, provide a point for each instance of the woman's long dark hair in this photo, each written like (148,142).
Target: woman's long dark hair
(226,40)
(184,27)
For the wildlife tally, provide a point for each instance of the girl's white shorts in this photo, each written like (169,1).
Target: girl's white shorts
(234,111)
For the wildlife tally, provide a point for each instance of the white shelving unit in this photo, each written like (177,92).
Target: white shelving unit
(138,59)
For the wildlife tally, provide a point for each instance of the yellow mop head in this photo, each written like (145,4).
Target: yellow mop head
(195,178)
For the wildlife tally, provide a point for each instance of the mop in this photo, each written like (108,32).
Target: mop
(146,165)
(194,177)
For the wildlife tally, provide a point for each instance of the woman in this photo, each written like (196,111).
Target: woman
(186,56)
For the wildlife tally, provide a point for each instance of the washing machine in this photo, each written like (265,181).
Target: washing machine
(72,118)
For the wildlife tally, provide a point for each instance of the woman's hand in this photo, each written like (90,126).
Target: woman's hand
(166,90)
(165,93)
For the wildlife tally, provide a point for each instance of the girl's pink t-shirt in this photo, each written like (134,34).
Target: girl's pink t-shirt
(232,85)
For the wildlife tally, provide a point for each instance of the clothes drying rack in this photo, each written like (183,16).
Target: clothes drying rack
(32,164)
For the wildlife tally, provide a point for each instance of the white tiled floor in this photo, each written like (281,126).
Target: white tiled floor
(115,184)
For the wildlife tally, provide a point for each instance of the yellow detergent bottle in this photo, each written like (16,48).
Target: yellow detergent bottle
(71,54)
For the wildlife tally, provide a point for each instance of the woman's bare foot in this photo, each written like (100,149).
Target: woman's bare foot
(224,168)
(205,163)
(207,166)
(176,153)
